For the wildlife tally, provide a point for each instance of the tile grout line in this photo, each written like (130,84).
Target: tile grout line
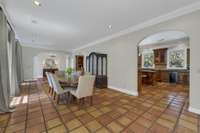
(162,112)
(41,107)
(121,116)
(179,116)
(27,106)
(75,117)
(55,109)
(7,124)
(175,99)
(144,113)
(61,117)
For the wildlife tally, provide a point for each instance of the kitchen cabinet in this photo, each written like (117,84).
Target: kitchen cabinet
(160,56)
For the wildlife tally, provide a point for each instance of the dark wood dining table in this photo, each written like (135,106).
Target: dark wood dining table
(68,82)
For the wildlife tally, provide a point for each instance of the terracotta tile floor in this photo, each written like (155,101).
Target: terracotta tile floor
(159,109)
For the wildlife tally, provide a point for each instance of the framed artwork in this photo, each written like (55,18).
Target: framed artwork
(177,59)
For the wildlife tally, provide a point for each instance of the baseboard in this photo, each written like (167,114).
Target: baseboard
(123,90)
(194,110)
(28,80)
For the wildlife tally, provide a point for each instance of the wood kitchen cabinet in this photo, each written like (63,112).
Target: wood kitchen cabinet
(183,78)
(160,56)
(164,76)
(79,62)
(158,76)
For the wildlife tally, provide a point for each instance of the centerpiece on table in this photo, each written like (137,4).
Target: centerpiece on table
(69,72)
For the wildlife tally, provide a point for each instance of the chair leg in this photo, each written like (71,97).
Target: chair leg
(91,100)
(68,97)
(78,101)
(65,95)
(83,100)
(52,92)
(49,89)
(58,98)
(54,97)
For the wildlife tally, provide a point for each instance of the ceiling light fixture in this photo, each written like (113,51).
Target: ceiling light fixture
(34,21)
(161,40)
(37,3)
(110,26)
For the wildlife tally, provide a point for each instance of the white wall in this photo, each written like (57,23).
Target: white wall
(122,55)
(29,55)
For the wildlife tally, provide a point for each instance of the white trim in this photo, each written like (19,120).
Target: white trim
(45,48)
(194,110)
(123,90)
(27,80)
(179,12)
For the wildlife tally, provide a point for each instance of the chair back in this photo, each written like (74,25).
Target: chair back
(56,85)
(85,86)
(49,79)
(76,75)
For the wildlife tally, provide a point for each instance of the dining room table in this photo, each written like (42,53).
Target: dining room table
(66,81)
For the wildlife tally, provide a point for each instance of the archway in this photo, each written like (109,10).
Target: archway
(49,60)
(164,57)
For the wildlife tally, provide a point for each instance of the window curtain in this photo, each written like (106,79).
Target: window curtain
(13,64)
(4,66)
(19,65)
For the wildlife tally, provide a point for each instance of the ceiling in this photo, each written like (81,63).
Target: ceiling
(162,37)
(70,24)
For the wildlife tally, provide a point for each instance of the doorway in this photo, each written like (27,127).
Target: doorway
(164,62)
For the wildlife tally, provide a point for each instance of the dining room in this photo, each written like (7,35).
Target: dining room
(78,67)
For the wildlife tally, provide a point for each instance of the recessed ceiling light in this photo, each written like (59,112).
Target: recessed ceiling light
(34,21)
(37,3)
(110,26)
(161,40)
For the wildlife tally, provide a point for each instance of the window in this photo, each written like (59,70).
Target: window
(148,59)
(177,58)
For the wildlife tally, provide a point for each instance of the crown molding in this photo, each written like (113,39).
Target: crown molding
(174,14)
(33,45)
(173,43)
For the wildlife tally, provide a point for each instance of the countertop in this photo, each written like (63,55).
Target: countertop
(163,69)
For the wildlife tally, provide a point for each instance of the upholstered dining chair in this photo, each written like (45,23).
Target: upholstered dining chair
(49,82)
(58,90)
(85,88)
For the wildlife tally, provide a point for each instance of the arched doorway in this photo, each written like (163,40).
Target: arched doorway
(44,60)
(164,58)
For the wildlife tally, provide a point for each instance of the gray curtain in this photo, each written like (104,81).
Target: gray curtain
(13,64)
(4,65)
(20,72)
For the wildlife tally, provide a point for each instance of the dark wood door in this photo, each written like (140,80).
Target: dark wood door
(79,62)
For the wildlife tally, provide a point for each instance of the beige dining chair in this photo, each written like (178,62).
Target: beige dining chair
(85,88)
(58,90)
(49,83)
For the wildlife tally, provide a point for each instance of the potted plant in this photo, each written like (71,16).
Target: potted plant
(69,71)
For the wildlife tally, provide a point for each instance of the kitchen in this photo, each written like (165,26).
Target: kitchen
(164,58)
